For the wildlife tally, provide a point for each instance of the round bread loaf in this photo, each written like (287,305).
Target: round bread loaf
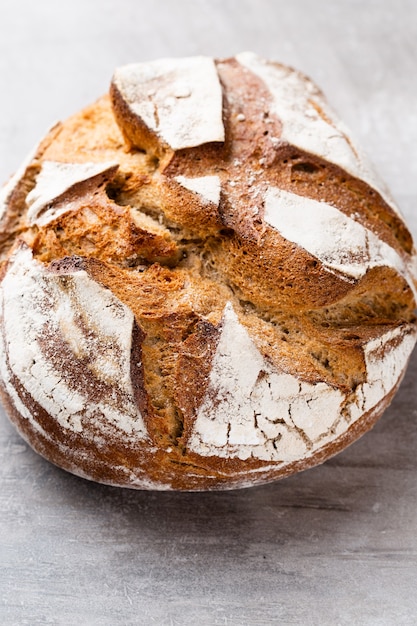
(204,284)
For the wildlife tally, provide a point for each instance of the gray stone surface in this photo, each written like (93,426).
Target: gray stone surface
(334,545)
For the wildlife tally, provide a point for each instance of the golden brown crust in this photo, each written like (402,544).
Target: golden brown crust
(204,338)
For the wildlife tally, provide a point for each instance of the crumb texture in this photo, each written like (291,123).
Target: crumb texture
(204,284)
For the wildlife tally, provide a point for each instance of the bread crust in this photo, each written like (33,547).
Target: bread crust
(199,299)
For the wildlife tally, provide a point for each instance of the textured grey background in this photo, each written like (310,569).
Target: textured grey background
(335,545)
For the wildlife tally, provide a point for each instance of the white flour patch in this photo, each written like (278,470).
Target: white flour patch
(53,181)
(339,242)
(208,187)
(253,410)
(385,359)
(309,123)
(179,99)
(92,323)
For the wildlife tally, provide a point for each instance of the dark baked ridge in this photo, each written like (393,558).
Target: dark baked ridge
(151,241)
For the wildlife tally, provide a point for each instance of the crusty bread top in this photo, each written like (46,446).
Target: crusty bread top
(216,259)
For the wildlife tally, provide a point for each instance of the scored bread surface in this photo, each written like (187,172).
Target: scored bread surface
(204,283)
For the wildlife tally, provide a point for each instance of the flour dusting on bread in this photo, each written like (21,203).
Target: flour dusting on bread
(179,99)
(204,285)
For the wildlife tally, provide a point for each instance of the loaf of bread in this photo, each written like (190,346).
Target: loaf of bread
(204,285)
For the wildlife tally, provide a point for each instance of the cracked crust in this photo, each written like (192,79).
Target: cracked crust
(201,304)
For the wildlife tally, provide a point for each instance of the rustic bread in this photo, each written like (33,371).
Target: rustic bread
(204,284)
